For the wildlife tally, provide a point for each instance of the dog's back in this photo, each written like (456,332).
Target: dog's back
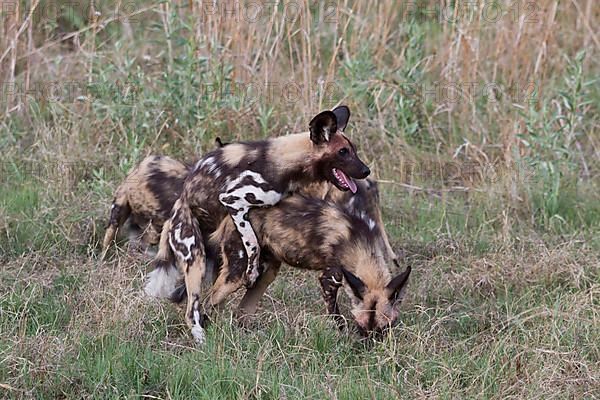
(304,232)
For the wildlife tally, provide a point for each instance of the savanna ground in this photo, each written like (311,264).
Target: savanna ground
(479,119)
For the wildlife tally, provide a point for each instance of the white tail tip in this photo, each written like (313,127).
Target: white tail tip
(162,282)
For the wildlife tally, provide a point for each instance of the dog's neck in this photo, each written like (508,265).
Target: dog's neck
(295,156)
(367,262)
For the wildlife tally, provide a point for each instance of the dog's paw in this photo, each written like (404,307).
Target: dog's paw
(251,277)
(199,335)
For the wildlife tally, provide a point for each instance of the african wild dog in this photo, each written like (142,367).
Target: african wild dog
(314,234)
(145,199)
(239,176)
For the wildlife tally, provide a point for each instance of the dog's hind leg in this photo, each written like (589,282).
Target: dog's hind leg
(119,212)
(185,239)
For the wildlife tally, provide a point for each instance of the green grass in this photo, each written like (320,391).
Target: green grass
(523,340)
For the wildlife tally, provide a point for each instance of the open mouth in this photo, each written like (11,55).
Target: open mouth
(344,180)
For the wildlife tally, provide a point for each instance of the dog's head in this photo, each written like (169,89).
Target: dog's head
(375,309)
(336,159)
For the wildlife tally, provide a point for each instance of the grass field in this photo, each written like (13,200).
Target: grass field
(480,120)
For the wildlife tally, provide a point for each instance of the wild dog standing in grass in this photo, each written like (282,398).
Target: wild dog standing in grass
(314,234)
(145,199)
(364,212)
(240,176)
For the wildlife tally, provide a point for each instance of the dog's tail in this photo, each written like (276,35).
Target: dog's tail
(164,279)
(119,212)
(220,143)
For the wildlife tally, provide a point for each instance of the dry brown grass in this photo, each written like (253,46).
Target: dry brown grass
(508,323)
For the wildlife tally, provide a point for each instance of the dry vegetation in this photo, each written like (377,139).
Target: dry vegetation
(482,129)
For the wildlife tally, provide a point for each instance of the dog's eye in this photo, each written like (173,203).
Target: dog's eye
(343,151)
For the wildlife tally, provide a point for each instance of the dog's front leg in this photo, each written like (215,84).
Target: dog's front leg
(251,245)
(239,213)
(331,280)
(238,198)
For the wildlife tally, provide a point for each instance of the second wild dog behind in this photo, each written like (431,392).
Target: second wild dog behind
(145,199)
(239,176)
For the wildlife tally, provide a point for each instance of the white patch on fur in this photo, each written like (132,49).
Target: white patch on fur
(252,275)
(255,175)
(367,220)
(250,242)
(162,282)
(197,331)
(113,206)
(335,281)
(198,334)
(204,162)
(187,242)
(210,165)
(371,224)
(267,197)
(241,253)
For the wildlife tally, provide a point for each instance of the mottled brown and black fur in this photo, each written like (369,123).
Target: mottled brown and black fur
(314,234)
(145,198)
(231,179)
(147,194)
(365,204)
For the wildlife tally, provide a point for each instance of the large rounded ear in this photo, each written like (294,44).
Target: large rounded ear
(397,287)
(322,127)
(358,287)
(342,115)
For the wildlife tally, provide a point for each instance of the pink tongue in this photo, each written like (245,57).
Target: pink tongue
(348,181)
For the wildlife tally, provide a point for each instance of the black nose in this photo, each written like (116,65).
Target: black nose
(365,172)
